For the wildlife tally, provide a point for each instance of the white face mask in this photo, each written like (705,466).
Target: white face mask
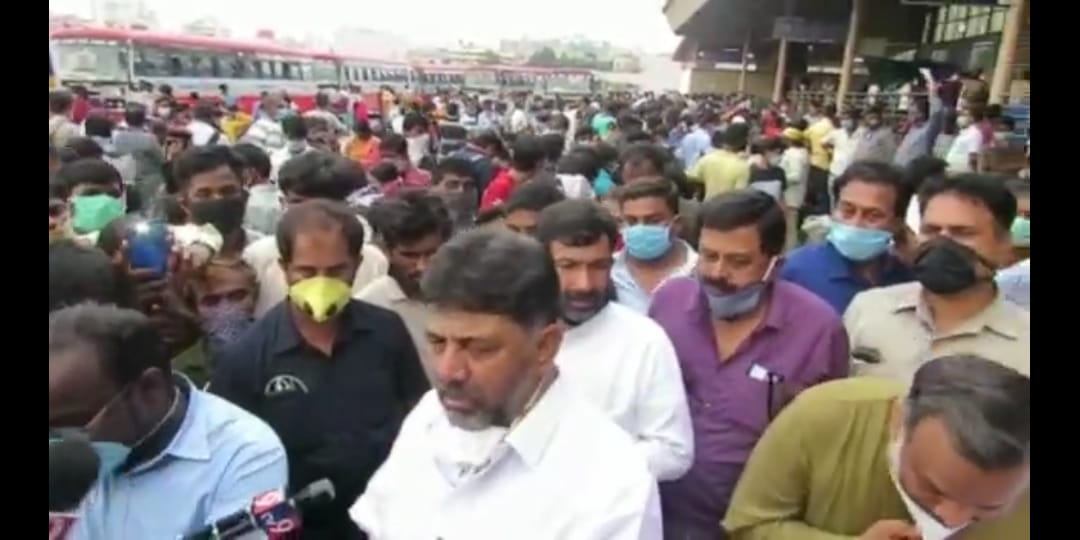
(460,453)
(928,525)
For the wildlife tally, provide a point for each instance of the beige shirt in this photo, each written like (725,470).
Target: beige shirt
(262,256)
(384,291)
(895,323)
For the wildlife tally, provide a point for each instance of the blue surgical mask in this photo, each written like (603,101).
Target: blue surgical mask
(647,242)
(735,304)
(858,243)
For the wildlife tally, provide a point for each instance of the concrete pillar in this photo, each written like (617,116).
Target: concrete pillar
(781,71)
(741,88)
(1006,56)
(857,8)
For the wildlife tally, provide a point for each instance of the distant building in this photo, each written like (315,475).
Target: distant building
(207,26)
(369,43)
(125,13)
(67,21)
(461,54)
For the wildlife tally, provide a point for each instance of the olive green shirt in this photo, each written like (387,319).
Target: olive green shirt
(821,471)
(194,363)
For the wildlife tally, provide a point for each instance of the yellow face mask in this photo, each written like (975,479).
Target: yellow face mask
(320,297)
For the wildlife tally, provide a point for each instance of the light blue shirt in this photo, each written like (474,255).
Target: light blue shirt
(694,145)
(627,290)
(1015,283)
(220,459)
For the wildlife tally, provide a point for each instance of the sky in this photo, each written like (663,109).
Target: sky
(638,24)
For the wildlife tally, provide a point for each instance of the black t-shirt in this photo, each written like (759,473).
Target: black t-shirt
(336,416)
(771,173)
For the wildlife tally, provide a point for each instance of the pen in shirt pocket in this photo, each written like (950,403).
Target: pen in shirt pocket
(774,388)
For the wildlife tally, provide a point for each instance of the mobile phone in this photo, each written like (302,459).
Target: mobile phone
(148,246)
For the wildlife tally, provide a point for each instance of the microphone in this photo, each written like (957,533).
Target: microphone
(270,513)
(73,470)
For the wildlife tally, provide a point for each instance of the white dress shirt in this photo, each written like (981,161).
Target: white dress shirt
(969,141)
(624,363)
(565,471)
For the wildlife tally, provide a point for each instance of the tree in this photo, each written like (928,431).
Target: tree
(490,57)
(545,57)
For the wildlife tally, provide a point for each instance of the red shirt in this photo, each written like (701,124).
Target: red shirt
(498,191)
(416,178)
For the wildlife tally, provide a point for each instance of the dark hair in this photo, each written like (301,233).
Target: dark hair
(584,132)
(988,191)
(985,406)
(392,143)
(135,115)
(576,222)
(581,161)
(58,190)
(413,120)
(81,274)
(410,216)
(767,144)
(534,196)
(85,147)
(456,166)
(254,157)
(319,214)
(882,174)
(921,168)
(385,171)
(321,175)
(662,189)
(645,153)
(744,208)
(126,341)
(97,124)
(495,272)
(294,127)
(552,145)
(736,136)
(88,171)
(60,101)
(606,153)
(203,159)
(526,153)
(322,100)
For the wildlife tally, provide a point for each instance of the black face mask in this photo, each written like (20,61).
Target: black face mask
(944,266)
(226,215)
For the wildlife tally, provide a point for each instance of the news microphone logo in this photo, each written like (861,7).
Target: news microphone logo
(275,515)
(60,524)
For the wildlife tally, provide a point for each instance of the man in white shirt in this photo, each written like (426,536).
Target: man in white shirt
(618,359)
(841,142)
(963,155)
(314,175)
(265,132)
(502,447)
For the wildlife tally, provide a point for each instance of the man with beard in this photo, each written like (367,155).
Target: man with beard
(747,344)
(412,226)
(618,359)
(489,453)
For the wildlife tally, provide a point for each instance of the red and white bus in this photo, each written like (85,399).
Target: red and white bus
(112,60)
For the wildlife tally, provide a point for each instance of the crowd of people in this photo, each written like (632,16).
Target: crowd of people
(615,317)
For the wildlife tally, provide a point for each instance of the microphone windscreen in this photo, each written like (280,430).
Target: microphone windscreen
(73,469)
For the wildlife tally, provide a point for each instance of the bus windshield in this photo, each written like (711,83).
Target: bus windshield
(91,60)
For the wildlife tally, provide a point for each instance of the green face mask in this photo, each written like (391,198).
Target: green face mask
(91,213)
(1021,232)
(320,297)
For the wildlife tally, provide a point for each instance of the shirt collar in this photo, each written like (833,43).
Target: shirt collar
(191,440)
(996,317)
(533,434)
(354,319)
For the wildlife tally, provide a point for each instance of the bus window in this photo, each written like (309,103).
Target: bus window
(215,67)
(176,66)
(287,70)
(200,67)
